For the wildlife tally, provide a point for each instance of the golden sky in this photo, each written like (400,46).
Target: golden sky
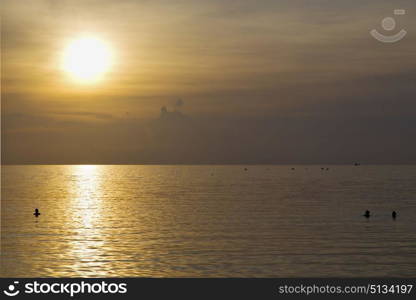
(262,72)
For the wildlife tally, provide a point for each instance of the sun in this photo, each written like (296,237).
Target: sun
(86,59)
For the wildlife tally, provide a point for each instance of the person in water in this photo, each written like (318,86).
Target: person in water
(394,214)
(367,214)
(36,213)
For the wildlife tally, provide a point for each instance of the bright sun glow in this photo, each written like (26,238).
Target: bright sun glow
(87,59)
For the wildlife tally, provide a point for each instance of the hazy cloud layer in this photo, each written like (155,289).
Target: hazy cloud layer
(242,81)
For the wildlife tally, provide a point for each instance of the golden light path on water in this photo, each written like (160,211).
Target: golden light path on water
(87,202)
(103,221)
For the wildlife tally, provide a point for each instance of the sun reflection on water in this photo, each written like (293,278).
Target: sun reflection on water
(88,240)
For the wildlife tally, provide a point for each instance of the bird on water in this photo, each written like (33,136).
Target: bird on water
(367,214)
(394,215)
(36,213)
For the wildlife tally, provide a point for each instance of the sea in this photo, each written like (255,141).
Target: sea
(208,221)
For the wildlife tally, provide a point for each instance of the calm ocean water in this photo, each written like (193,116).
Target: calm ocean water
(210,221)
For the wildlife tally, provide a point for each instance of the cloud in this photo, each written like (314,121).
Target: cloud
(86,114)
(264,82)
(174,137)
(179,103)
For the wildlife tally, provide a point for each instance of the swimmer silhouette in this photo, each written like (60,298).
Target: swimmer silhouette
(367,214)
(36,213)
(394,215)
